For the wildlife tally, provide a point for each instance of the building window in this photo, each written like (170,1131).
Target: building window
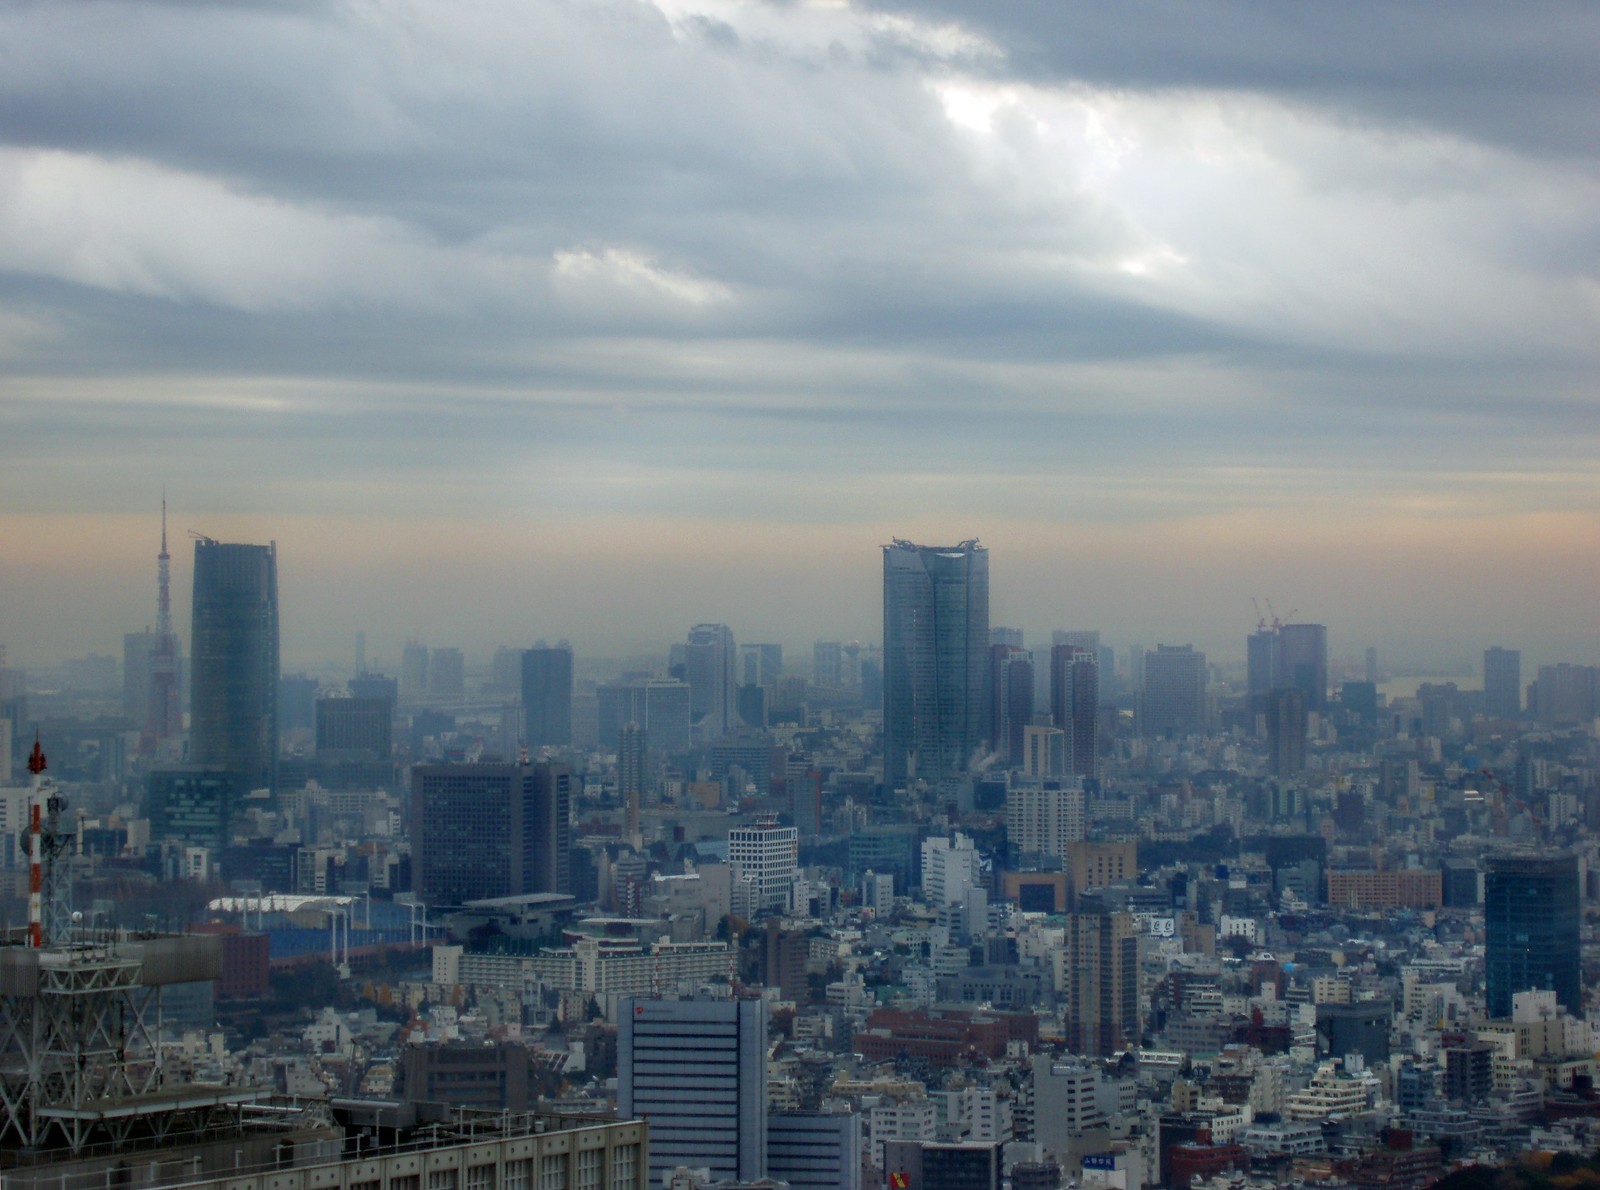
(519,1175)
(553,1171)
(624,1167)
(480,1177)
(408,1181)
(591,1162)
(441,1179)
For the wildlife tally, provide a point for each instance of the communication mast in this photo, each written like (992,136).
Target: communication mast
(164,718)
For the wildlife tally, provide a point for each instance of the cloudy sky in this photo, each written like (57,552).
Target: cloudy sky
(517,318)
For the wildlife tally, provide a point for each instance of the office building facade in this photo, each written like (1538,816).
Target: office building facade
(480,831)
(1303,662)
(935,660)
(1531,929)
(696,1071)
(1502,683)
(709,668)
(1172,694)
(547,696)
(234,667)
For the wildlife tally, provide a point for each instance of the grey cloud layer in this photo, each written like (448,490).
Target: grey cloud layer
(717,243)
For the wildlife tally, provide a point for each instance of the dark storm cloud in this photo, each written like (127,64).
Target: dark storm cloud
(1519,76)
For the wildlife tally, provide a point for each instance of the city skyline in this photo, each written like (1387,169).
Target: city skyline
(1169,313)
(1222,636)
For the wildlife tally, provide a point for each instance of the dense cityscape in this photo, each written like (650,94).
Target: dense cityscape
(946,909)
(799,595)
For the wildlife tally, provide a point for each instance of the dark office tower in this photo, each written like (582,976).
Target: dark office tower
(1303,662)
(234,680)
(354,727)
(375,686)
(1011,699)
(827,664)
(633,758)
(1502,683)
(1286,731)
(447,674)
(547,828)
(1262,650)
(1008,637)
(1172,695)
(192,805)
(708,667)
(1075,703)
(935,659)
(489,830)
(760,664)
(547,695)
(1530,918)
(932,1165)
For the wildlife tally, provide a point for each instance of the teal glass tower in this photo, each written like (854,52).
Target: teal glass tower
(1530,917)
(935,660)
(234,681)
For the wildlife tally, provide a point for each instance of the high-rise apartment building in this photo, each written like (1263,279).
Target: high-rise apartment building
(490,830)
(547,696)
(696,1070)
(234,674)
(1172,695)
(1102,1013)
(633,759)
(1531,928)
(1286,731)
(1011,700)
(1044,818)
(1075,704)
(1502,683)
(708,668)
(935,666)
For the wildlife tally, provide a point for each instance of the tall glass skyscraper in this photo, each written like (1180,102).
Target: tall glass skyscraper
(935,659)
(1530,918)
(547,696)
(234,676)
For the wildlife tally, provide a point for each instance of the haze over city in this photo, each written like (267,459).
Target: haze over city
(596,321)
